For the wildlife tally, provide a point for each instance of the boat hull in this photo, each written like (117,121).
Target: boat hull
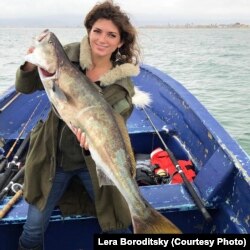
(189,130)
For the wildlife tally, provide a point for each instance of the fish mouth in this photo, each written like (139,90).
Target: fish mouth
(44,37)
(46,73)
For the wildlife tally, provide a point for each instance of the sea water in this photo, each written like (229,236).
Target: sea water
(212,63)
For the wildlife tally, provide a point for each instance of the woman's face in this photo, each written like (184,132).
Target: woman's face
(104,38)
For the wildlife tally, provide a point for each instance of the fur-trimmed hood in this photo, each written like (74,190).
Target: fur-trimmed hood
(80,53)
(116,73)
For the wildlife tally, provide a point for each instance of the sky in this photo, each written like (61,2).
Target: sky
(141,12)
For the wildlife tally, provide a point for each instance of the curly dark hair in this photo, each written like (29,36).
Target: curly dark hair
(108,10)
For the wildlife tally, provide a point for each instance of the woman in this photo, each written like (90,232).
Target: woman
(108,55)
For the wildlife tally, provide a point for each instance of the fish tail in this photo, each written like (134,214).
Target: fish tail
(156,223)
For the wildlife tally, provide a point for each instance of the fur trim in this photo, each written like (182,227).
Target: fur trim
(116,73)
(119,72)
(85,55)
(141,99)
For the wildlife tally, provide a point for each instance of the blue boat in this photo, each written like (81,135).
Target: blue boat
(215,202)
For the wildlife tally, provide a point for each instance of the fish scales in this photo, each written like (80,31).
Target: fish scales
(80,105)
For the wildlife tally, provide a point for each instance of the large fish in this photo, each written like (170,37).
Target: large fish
(80,105)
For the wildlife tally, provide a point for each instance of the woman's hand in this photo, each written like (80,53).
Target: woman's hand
(27,65)
(81,137)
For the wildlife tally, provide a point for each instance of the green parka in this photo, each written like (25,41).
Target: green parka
(110,207)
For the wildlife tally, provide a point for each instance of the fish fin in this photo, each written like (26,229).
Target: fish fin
(59,93)
(126,139)
(102,177)
(156,223)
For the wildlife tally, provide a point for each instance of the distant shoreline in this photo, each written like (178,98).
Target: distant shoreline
(196,26)
(150,26)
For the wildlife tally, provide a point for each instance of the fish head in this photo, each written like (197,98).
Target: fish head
(44,54)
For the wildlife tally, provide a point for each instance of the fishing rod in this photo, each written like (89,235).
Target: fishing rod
(10,101)
(3,163)
(4,160)
(8,174)
(10,203)
(188,185)
(14,180)
(18,194)
(13,165)
(22,131)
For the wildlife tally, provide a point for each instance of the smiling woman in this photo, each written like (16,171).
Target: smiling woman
(104,39)
(212,63)
(80,71)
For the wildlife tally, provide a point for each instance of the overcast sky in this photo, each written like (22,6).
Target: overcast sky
(72,12)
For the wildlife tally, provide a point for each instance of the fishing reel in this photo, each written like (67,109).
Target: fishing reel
(155,175)
(160,175)
(15,187)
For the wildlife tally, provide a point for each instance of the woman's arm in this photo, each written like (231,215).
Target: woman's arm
(27,79)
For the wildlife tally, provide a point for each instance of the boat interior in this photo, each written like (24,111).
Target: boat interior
(189,132)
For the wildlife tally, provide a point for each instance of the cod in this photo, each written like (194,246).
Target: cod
(80,105)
